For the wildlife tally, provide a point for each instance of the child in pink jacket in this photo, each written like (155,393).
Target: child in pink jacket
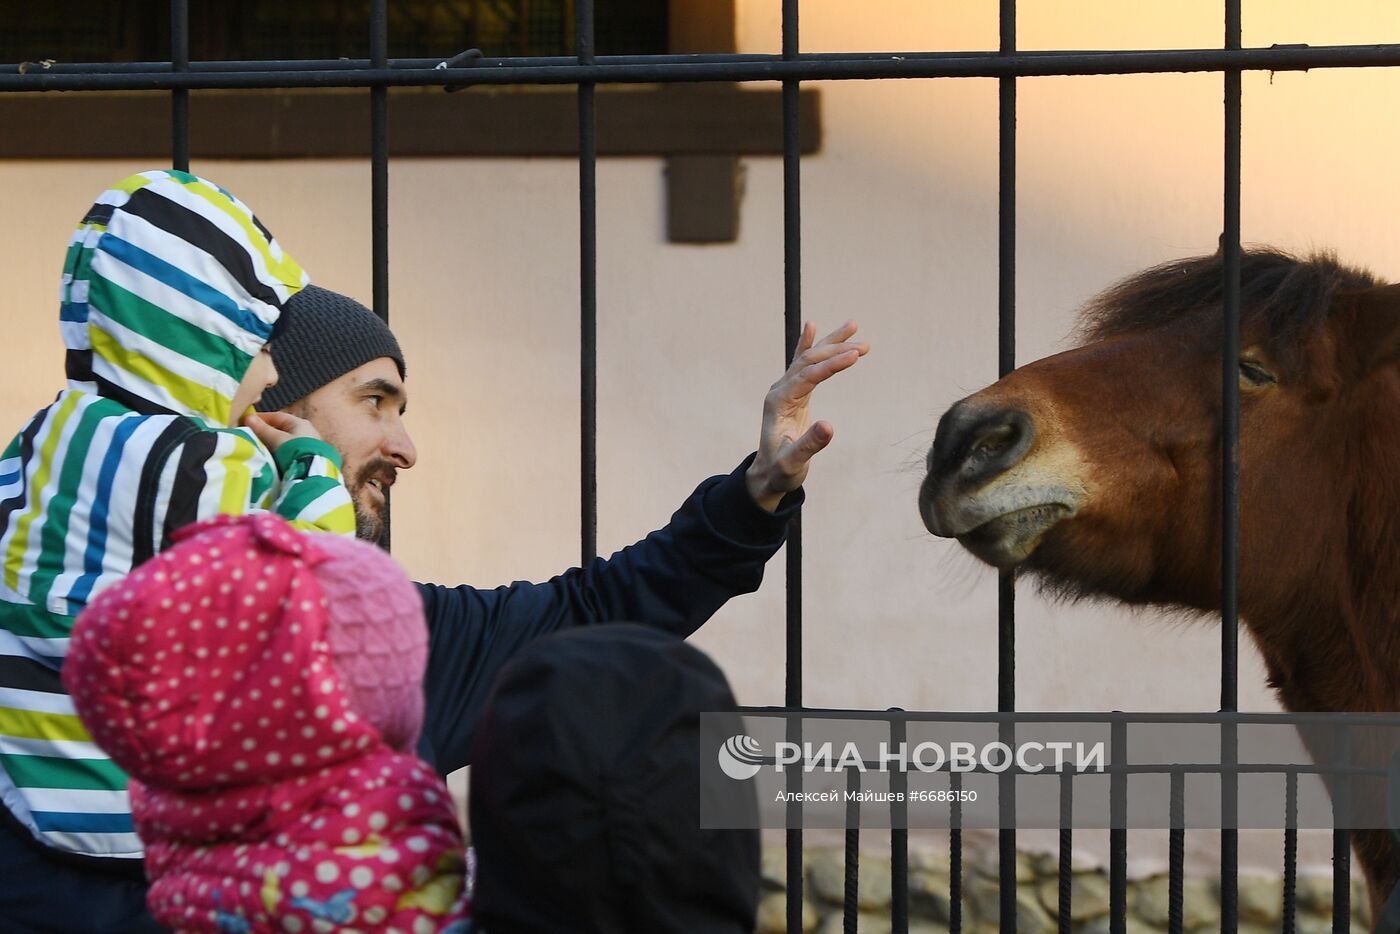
(263,689)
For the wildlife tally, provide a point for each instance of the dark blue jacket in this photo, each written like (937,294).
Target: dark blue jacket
(714,548)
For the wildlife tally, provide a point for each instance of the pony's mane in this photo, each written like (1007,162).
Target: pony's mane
(1290,295)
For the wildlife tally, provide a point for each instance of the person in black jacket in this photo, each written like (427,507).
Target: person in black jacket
(341,368)
(586,794)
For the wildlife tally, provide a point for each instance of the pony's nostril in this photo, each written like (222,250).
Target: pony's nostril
(994,439)
(991,444)
(974,444)
(994,445)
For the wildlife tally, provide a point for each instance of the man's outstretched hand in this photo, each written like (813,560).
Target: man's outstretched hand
(789,438)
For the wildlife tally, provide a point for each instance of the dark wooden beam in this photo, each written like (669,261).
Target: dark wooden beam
(693,119)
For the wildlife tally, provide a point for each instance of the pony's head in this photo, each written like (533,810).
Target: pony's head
(1099,468)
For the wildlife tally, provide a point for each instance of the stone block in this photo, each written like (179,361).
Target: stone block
(772,915)
(1200,905)
(826,874)
(1088,896)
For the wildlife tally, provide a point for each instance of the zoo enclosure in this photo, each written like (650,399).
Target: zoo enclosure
(586,70)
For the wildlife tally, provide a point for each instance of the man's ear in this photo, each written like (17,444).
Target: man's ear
(1367,325)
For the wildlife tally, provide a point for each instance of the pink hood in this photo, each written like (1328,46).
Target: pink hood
(206,676)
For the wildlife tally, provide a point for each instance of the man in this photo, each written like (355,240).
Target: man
(341,369)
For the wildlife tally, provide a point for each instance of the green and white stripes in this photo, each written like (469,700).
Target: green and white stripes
(170,288)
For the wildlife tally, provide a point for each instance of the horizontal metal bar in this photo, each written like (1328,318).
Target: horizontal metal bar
(699,69)
(1043,716)
(328,64)
(721,58)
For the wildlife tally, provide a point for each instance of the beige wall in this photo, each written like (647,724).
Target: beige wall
(899,223)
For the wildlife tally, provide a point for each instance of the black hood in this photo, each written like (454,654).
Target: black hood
(585,793)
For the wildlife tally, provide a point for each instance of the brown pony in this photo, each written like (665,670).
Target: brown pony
(1098,470)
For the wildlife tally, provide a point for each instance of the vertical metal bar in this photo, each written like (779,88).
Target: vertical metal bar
(1229,833)
(379,157)
(180,97)
(1118,831)
(792,326)
(1066,878)
(1290,855)
(1006,837)
(1176,860)
(1230,482)
(1006,209)
(899,836)
(588,289)
(851,903)
(379,181)
(1341,838)
(955,854)
(1006,362)
(795,868)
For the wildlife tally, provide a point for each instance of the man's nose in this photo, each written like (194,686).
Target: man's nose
(398,447)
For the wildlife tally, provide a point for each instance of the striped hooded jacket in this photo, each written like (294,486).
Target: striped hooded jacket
(170,287)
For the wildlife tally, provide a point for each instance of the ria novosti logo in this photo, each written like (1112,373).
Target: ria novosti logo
(740,757)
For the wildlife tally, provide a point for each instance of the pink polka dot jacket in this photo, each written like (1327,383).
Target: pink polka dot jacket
(266,799)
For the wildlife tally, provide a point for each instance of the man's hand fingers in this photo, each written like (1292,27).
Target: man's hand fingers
(837,342)
(797,384)
(817,372)
(804,341)
(843,333)
(826,351)
(822,352)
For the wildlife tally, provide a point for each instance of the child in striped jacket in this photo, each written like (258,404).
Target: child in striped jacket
(171,290)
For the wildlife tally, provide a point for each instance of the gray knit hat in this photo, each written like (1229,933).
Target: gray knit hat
(321,336)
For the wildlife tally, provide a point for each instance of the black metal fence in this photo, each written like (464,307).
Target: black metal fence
(586,70)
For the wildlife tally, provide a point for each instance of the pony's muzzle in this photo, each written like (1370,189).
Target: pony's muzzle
(972,447)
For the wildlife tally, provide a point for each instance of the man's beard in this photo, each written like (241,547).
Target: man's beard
(369,525)
(369,521)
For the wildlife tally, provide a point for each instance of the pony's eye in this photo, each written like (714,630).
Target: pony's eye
(1255,375)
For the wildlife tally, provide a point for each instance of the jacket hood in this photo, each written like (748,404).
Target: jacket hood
(170,287)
